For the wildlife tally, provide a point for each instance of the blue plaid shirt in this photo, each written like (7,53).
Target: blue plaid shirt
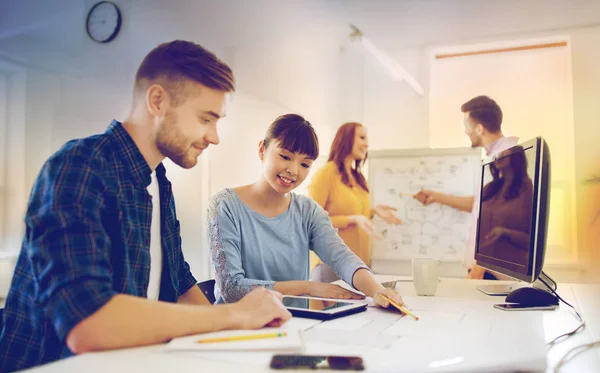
(87,238)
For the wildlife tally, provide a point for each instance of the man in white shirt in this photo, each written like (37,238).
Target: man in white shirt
(483,126)
(101,266)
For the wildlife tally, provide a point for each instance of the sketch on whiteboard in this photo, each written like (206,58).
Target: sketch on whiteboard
(434,230)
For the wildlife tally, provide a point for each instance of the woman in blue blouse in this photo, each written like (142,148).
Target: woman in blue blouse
(261,234)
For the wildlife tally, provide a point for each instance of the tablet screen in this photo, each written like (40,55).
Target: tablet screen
(313,304)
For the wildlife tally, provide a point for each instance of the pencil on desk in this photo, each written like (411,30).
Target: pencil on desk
(242,337)
(399,307)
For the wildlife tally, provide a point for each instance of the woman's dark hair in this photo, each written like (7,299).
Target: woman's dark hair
(340,149)
(294,134)
(518,166)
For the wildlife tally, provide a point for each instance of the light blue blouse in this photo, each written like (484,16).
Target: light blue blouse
(250,250)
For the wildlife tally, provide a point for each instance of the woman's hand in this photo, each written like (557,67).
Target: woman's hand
(364,224)
(323,290)
(386,213)
(390,293)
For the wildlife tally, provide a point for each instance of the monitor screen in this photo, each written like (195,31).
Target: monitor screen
(513,211)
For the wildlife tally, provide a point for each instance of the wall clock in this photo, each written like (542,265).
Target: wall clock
(103,22)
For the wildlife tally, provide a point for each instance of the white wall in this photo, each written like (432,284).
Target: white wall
(3,145)
(586,91)
(13,170)
(392,111)
(285,56)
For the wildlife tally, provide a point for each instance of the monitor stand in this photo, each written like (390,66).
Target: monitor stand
(500,290)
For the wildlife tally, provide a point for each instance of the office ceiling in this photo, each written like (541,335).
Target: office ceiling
(57,27)
(395,25)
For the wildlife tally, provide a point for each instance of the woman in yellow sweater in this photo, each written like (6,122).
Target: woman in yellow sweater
(341,189)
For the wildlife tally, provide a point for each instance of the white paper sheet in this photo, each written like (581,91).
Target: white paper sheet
(438,316)
(344,323)
(519,337)
(318,348)
(369,354)
(367,336)
(430,322)
(449,304)
(300,323)
(254,358)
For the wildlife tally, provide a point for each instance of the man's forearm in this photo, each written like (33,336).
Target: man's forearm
(128,321)
(457,202)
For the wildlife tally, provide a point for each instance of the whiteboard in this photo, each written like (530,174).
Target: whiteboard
(435,230)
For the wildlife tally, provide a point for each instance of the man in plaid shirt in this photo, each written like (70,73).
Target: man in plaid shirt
(101,265)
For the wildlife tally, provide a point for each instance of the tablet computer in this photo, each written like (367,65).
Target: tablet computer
(321,308)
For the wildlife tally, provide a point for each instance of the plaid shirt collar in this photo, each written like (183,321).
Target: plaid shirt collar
(130,153)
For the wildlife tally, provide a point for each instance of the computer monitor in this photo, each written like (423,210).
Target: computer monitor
(513,213)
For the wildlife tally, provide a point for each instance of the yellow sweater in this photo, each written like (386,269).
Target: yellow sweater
(341,201)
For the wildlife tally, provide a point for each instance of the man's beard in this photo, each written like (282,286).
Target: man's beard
(475,143)
(171,143)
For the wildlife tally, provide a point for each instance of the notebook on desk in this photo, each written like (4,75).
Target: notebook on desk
(267,339)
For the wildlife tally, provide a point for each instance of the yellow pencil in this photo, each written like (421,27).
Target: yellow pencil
(402,309)
(242,337)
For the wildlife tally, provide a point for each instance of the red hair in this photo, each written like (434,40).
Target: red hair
(341,148)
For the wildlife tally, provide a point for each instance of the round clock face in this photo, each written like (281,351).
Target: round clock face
(103,22)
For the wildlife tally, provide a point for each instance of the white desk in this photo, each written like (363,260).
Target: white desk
(585,298)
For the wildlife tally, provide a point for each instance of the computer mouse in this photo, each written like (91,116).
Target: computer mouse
(530,296)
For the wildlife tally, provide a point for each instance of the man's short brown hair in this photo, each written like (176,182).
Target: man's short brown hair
(173,64)
(484,110)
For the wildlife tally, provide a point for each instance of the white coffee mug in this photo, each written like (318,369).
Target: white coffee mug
(426,274)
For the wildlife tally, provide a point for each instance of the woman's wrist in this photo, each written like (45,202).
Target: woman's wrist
(293,287)
(306,287)
(365,281)
(376,288)
(375,211)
